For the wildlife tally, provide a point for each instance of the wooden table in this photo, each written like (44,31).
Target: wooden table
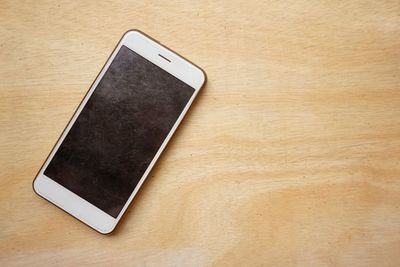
(289,157)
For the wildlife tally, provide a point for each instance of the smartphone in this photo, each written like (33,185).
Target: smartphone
(119,130)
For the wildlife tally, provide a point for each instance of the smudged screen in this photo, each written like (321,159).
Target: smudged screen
(119,131)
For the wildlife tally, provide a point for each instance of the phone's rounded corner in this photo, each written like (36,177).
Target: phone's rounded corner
(200,78)
(35,186)
(204,76)
(133,32)
(107,231)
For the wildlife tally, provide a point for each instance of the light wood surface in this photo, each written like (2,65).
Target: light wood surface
(289,157)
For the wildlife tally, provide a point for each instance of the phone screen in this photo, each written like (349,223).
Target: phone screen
(119,131)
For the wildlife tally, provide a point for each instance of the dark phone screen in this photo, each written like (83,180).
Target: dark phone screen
(119,131)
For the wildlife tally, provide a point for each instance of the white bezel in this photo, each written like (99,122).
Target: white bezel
(72,203)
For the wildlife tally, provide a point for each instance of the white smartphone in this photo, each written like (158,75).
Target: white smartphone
(118,131)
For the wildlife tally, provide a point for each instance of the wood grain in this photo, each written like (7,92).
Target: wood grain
(289,157)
